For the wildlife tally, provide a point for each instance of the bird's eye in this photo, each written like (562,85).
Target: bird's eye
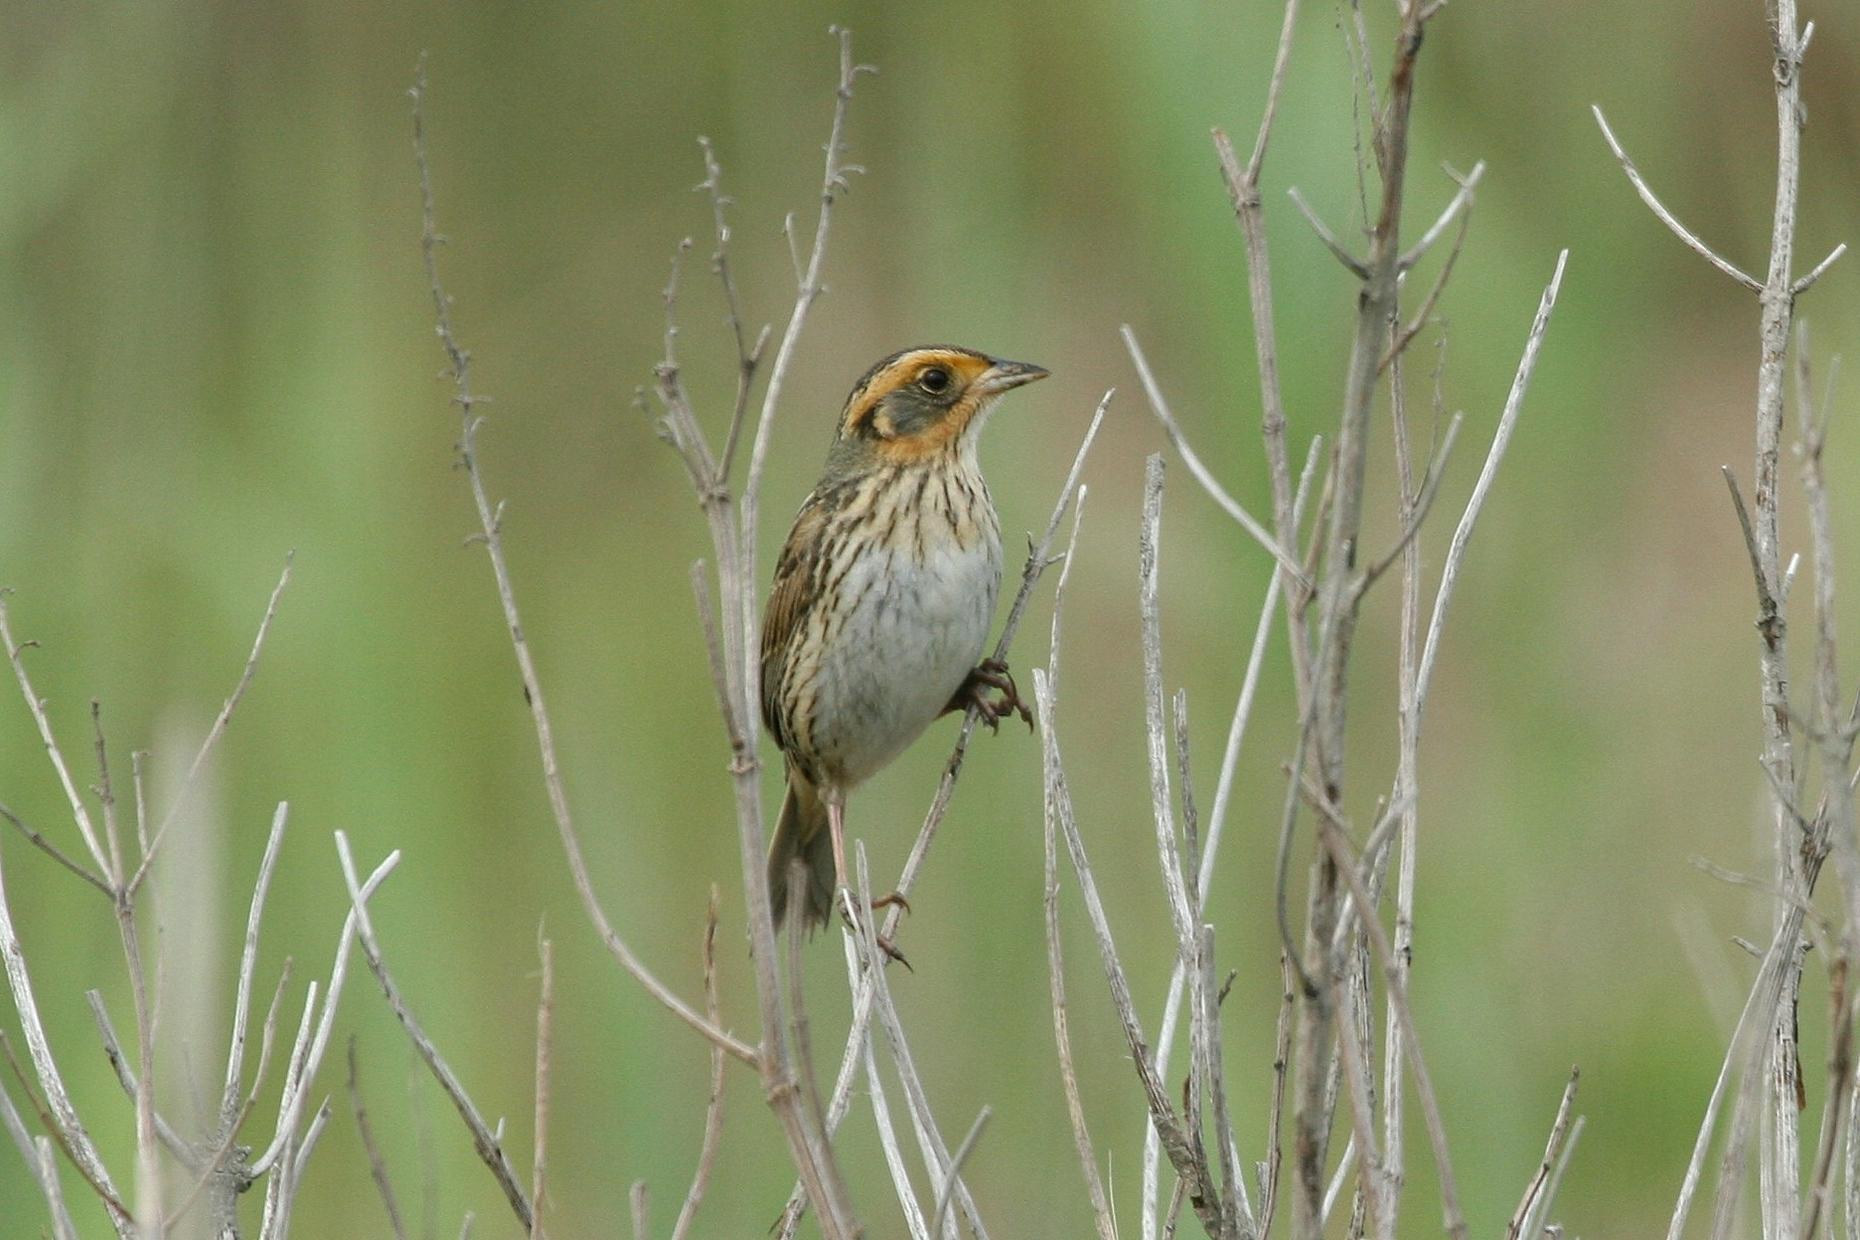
(934,379)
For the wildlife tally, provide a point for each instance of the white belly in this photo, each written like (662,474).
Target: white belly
(917,630)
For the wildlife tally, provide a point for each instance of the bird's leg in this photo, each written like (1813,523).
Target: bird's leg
(836,827)
(990,674)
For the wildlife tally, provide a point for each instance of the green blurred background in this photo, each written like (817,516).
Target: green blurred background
(216,345)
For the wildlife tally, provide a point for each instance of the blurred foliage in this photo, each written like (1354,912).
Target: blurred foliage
(217,346)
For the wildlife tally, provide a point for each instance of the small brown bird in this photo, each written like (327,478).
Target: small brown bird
(882,599)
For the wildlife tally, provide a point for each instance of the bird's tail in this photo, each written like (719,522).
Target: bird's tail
(802,836)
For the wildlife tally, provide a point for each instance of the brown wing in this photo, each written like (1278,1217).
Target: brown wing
(790,598)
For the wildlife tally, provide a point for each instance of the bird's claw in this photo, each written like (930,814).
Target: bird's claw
(884,943)
(992,674)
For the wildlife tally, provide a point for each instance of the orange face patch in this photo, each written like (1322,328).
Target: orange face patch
(936,438)
(903,369)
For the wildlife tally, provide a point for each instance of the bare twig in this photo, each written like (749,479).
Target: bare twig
(459,370)
(1667,217)
(943,1168)
(1062,1036)
(42,1163)
(304,1065)
(230,1181)
(545,1025)
(1819,269)
(713,1111)
(1469,518)
(955,1166)
(1175,1140)
(35,705)
(881,1117)
(1527,1219)
(248,964)
(490,1148)
(1249,210)
(1836,754)
(47,1168)
(1354,265)
(1228,503)
(748,356)
(377,1166)
(1452,1218)
(127,1077)
(214,733)
(1460,203)
(639,1206)
(1281,1061)
(66,1125)
(1405,336)
(833,183)
(58,854)
(1175,886)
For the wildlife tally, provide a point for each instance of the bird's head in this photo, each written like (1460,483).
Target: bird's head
(918,404)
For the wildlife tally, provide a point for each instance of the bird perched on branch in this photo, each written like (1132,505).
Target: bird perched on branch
(882,600)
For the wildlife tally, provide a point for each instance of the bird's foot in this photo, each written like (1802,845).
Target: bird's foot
(991,674)
(884,943)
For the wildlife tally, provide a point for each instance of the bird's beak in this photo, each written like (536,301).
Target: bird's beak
(1001,376)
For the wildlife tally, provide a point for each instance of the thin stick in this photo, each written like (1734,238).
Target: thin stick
(237,1180)
(459,369)
(1394,1142)
(304,1067)
(833,183)
(215,732)
(545,1025)
(1058,804)
(1354,265)
(1836,754)
(42,1163)
(490,1147)
(248,965)
(887,1134)
(943,1169)
(955,1166)
(377,1166)
(1149,544)
(1236,733)
(1459,204)
(1469,518)
(748,357)
(639,1202)
(1556,1172)
(1228,503)
(35,705)
(58,854)
(1667,217)
(1527,1219)
(713,1110)
(1453,1219)
(1249,211)
(1055,960)
(128,1078)
(47,1168)
(1281,1060)
(65,1123)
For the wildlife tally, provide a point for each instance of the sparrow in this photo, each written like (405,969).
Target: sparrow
(882,601)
